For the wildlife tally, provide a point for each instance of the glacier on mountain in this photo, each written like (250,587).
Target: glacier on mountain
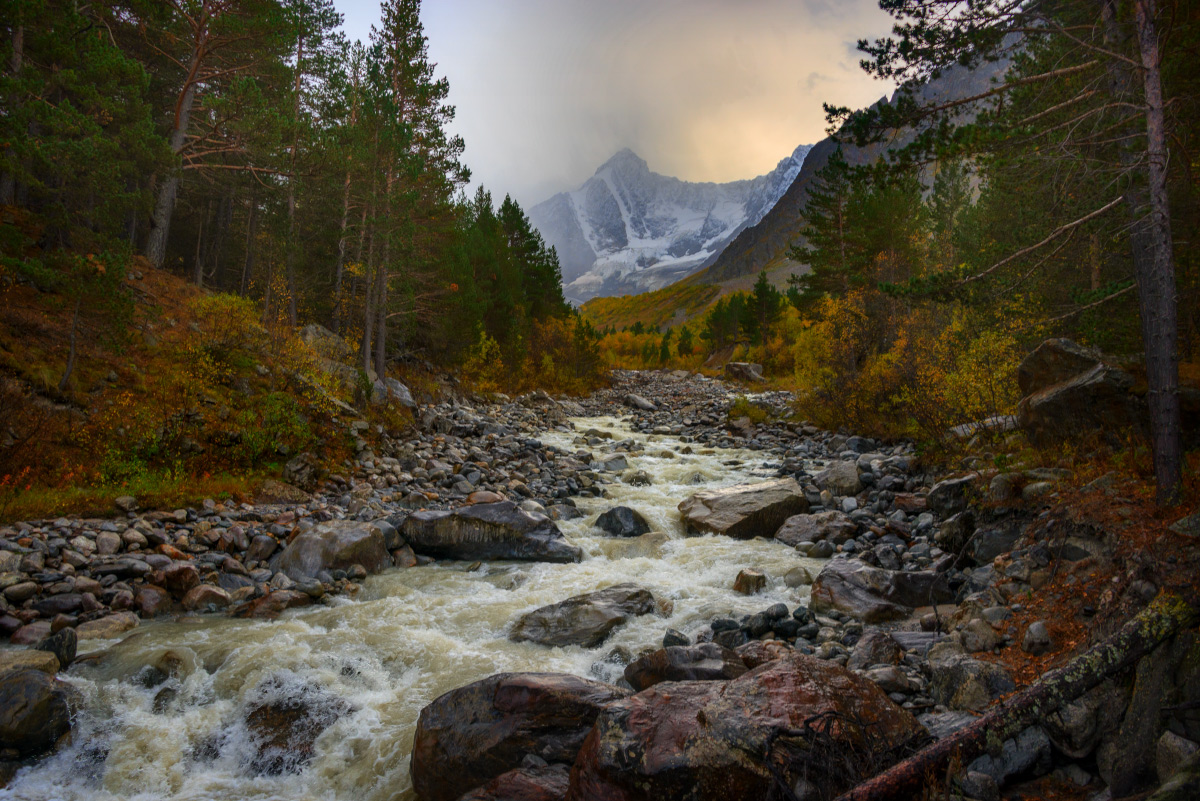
(629,230)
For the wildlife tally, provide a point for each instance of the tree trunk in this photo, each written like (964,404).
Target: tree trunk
(291,240)
(1156,624)
(198,258)
(164,203)
(8,182)
(341,257)
(1156,274)
(251,228)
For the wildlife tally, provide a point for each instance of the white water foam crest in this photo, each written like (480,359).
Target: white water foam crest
(408,637)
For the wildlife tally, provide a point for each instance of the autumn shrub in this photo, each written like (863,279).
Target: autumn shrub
(484,365)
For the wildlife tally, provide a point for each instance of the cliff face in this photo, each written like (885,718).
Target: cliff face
(758,245)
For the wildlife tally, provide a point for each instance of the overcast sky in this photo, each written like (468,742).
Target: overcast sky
(703,90)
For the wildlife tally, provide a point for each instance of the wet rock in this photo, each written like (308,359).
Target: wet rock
(63,604)
(831,525)
(284,722)
(744,511)
(204,597)
(675,637)
(63,644)
(261,548)
(271,606)
(34,712)
(31,634)
(621,521)
(334,545)
(797,577)
(990,543)
(840,478)
(873,594)
(534,783)
(180,578)
(488,531)
(11,661)
(584,620)
(108,627)
(152,601)
(704,662)
(749,582)
(471,735)
(710,740)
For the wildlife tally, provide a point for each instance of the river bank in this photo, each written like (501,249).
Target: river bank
(323,702)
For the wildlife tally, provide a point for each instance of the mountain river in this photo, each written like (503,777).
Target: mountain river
(409,636)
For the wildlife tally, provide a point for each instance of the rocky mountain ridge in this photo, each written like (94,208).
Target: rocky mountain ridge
(628,229)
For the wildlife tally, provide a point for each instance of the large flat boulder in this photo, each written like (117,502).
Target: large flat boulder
(873,594)
(334,545)
(704,662)
(533,783)
(1053,362)
(1097,400)
(586,619)
(712,741)
(488,531)
(471,735)
(744,511)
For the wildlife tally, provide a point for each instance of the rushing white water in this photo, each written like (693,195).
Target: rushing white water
(408,637)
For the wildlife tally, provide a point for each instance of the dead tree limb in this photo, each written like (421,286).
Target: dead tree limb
(1162,619)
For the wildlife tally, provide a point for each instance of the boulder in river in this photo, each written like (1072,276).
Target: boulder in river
(744,511)
(711,741)
(586,619)
(704,662)
(471,735)
(621,521)
(334,545)
(488,531)
(285,721)
(34,712)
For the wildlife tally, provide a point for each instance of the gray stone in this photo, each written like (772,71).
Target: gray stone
(621,521)
(832,525)
(586,620)
(748,372)
(950,496)
(1028,752)
(744,511)
(840,478)
(334,545)
(488,531)
(1171,752)
(960,682)
(873,594)
(640,403)
(1037,639)
(703,662)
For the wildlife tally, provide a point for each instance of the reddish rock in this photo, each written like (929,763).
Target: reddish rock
(152,601)
(704,662)
(542,783)
(749,582)
(271,606)
(483,496)
(759,652)
(32,633)
(473,734)
(285,721)
(404,557)
(712,741)
(180,578)
(205,595)
(172,552)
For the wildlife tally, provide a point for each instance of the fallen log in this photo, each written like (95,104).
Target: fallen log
(1158,622)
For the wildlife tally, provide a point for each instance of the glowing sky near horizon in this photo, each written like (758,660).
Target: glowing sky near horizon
(703,90)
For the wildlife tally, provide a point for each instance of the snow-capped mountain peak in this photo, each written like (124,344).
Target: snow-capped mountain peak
(628,229)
